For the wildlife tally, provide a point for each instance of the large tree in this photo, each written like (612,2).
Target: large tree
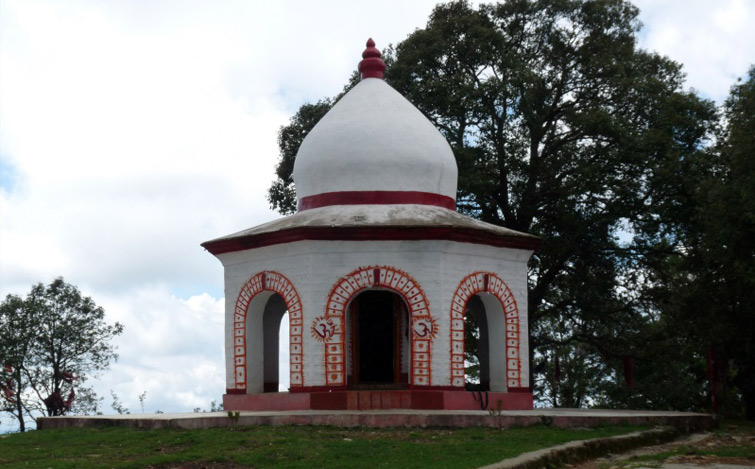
(51,343)
(561,126)
(729,220)
(700,254)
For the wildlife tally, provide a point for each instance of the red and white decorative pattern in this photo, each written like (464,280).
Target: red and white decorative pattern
(485,282)
(404,285)
(278,283)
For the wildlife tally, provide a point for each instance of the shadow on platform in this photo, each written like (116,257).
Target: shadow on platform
(683,421)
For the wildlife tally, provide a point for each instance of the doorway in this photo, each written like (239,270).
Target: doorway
(378,339)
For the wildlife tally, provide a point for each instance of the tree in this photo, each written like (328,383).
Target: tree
(729,244)
(560,126)
(16,325)
(701,255)
(51,342)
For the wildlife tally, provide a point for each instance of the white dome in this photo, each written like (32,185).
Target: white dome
(374,141)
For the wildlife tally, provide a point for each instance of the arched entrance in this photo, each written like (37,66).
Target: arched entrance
(331,329)
(485,291)
(260,307)
(378,341)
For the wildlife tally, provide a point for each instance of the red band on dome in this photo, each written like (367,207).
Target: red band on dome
(375,197)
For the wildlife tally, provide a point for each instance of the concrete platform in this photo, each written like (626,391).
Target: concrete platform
(682,421)
(379,400)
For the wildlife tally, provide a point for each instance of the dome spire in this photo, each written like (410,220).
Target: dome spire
(371,66)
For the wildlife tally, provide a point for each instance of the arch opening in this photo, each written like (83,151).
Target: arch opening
(264,323)
(377,338)
(260,306)
(476,346)
(284,355)
(504,367)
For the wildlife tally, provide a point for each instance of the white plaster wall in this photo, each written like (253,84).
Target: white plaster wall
(314,267)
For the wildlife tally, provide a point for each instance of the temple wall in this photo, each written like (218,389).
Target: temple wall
(314,267)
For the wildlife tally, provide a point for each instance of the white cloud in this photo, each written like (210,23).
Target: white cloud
(171,348)
(714,40)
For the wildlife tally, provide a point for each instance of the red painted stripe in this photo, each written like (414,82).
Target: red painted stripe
(512,389)
(462,235)
(421,388)
(310,389)
(375,197)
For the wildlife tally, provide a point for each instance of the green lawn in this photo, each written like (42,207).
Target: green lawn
(282,447)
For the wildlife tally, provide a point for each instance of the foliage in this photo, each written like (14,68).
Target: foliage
(16,326)
(729,245)
(471,346)
(117,405)
(51,342)
(142,400)
(701,253)
(284,446)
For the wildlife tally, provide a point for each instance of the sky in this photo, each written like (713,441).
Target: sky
(132,131)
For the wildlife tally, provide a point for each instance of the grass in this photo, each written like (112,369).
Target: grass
(282,447)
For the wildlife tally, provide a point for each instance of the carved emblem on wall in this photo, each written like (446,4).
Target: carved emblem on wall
(424,328)
(323,328)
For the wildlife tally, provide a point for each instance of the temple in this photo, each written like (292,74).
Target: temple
(377,272)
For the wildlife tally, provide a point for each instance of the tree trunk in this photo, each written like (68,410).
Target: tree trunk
(19,408)
(749,399)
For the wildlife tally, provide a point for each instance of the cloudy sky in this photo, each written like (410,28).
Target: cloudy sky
(131,131)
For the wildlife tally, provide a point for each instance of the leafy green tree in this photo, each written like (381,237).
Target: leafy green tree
(700,255)
(562,128)
(51,343)
(16,326)
(729,219)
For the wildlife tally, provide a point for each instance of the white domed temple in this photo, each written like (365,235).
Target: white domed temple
(376,271)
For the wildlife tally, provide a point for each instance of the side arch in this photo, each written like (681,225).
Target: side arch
(277,283)
(485,282)
(330,328)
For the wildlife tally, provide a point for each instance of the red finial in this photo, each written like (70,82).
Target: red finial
(371,66)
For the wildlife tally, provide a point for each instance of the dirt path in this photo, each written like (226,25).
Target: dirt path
(730,445)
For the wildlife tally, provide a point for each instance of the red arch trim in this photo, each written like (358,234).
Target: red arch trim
(278,283)
(481,282)
(424,327)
